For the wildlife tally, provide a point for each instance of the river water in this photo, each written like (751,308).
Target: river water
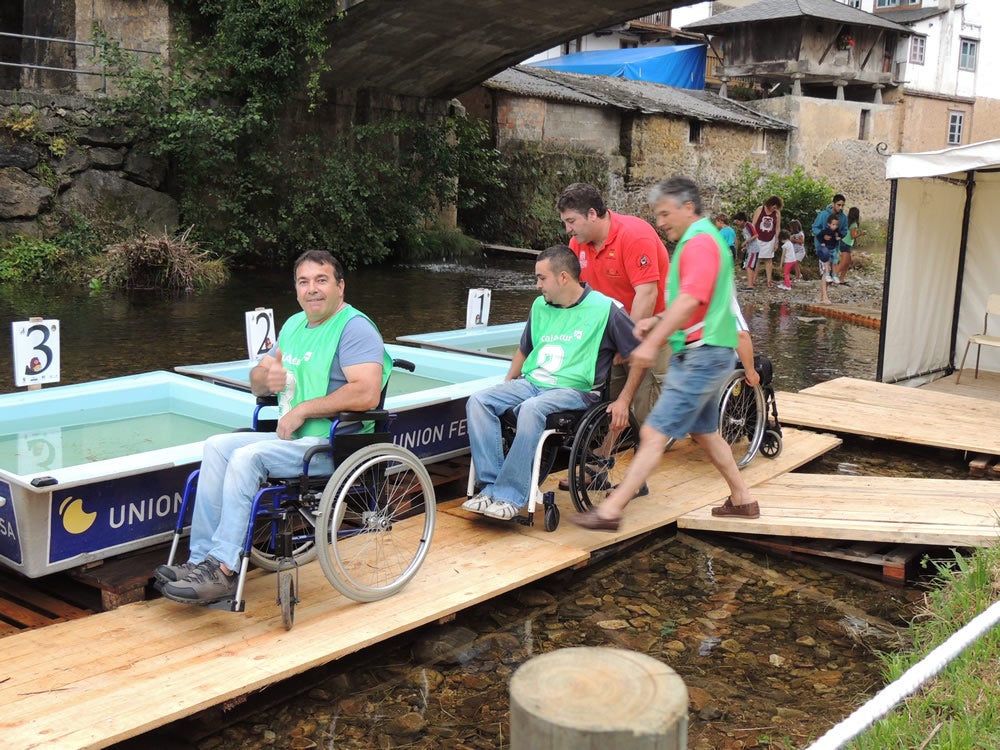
(105,336)
(772,652)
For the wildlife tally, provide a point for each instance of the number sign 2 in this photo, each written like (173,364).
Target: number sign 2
(261,335)
(36,351)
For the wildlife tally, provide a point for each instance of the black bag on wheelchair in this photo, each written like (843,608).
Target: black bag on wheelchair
(764,368)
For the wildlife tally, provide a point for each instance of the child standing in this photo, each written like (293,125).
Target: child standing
(787,257)
(728,233)
(851,233)
(750,246)
(829,241)
(798,238)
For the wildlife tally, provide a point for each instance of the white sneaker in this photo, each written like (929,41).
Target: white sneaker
(829,279)
(478,504)
(786,288)
(501,510)
(836,279)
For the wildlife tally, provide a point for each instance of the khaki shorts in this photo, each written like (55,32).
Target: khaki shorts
(649,389)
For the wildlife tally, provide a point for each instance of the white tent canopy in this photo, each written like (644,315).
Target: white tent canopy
(943,260)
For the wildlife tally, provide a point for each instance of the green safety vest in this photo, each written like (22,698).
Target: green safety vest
(719,323)
(566,342)
(307,353)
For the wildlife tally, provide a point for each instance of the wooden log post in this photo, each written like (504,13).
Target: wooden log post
(596,698)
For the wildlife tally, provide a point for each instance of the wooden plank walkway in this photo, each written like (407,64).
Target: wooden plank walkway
(102,679)
(937,512)
(895,412)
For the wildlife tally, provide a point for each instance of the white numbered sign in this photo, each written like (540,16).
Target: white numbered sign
(261,336)
(36,352)
(477,312)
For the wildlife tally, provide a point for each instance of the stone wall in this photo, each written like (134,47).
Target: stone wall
(828,142)
(56,162)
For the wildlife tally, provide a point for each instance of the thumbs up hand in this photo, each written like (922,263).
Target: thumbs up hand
(276,373)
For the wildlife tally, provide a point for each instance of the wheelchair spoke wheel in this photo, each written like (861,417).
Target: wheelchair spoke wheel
(599,457)
(265,550)
(286,598)
(742,417)
(376,521)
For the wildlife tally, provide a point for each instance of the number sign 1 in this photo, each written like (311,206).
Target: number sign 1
(477,312)
(260,332)
(36,351)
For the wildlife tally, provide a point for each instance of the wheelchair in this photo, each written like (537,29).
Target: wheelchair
(595,456)
(370,523)
(748,417)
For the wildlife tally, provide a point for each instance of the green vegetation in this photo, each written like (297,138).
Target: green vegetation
(803,196)
(959,708)
(220,109)
(163,263)
(519,205)
(61,258)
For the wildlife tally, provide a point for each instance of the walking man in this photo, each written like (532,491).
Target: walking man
(701,329)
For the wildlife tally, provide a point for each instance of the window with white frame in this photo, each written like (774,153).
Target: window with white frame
(895,3)
(918,49)
(955,122)
(967,55)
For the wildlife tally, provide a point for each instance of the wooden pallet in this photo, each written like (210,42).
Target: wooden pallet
(894,563)
(24,606)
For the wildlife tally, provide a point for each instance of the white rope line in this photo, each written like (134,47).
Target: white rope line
(909,682)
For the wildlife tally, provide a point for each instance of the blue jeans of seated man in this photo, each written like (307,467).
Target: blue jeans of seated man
(509,480)
(232,467)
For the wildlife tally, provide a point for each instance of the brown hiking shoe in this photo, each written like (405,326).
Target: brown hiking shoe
(747,510)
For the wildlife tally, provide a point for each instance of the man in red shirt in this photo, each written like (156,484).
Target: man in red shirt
(624,258)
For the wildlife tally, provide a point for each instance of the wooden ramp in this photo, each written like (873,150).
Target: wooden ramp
(895,412)
(936,512)
(104,678)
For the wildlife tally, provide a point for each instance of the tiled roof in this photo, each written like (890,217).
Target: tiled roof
(638,96)
(773,10)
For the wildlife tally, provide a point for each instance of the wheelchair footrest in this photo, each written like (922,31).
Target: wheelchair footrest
(528,520)
(228,605)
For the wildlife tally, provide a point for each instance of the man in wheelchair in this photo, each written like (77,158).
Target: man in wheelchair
(565,353)
(329,358)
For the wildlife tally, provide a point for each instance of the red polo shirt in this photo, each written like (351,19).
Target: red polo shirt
(632,254)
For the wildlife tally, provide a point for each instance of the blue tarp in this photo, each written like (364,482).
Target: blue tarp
(682,65)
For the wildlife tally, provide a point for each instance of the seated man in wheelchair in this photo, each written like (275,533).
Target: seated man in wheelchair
(329,358)
(565,353)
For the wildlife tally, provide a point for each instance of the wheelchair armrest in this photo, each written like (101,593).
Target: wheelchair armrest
(269,400)
(350,417)
(404,364)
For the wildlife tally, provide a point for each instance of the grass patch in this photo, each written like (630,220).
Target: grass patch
(960,707)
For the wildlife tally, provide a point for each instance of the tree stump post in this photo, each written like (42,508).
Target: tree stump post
(597,698)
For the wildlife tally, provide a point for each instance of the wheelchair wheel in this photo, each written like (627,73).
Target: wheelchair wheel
(376,521)
(599,458)
(742,417)
(551,517)
(286,598)
(265,551)
(771,446)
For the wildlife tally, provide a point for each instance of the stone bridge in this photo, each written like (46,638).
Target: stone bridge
(441,48)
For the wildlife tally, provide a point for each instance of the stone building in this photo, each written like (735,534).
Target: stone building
(645,131)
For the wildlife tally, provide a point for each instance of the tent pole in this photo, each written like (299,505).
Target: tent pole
(970,186)
(886,274)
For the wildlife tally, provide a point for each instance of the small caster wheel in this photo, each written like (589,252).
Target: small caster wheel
(286,598)
(551,517)
(771,446)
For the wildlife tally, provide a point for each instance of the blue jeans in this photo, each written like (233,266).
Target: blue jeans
(509,480)
(689,401)
(232,469)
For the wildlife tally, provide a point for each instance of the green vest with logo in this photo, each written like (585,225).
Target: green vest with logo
(719,324)
(566,341)
(307,353)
